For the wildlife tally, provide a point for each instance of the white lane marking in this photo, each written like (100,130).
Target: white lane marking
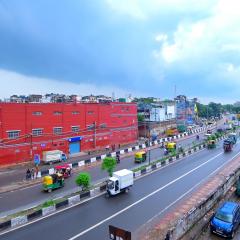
(144,198)
(65,209)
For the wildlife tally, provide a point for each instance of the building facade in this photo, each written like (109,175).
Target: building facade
(27,129)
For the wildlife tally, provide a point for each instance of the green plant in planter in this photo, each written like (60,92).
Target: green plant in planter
(83,180)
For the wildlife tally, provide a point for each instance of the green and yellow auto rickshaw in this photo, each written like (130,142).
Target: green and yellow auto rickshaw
(52,182)
(211,144)
(140,156)
(171,146)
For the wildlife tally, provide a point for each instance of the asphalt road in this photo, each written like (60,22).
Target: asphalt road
(10,202)
(150,195)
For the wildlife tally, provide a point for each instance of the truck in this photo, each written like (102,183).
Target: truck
(232,137)
(52,156)
(121,181)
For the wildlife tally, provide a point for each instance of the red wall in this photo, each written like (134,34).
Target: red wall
(120,120)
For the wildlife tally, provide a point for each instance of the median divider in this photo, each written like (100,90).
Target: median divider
(129,150)
(52,206)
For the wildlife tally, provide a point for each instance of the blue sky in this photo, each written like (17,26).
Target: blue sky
(122,46)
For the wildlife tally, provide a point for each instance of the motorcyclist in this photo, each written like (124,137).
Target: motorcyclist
(197,137)
(118,158)
(165,151)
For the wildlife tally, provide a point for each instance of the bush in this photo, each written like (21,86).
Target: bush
(109,164)
(83,180)
(48,203)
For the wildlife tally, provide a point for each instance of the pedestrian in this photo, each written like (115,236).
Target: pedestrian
(28,174)
(32,173)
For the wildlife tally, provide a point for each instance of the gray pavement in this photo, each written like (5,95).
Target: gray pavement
(11,202)
(150,195)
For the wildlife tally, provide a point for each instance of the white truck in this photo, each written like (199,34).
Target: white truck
(53,156)
(121,181)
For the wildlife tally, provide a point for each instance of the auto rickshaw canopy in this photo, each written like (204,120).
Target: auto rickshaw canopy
(140,154)
(47,180)
(171,145)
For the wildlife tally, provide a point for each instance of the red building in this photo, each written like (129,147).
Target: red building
(31,128)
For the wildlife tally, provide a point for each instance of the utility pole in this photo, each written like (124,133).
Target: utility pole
(95,133)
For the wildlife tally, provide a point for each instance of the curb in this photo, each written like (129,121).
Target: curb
(86,196)
(126,150)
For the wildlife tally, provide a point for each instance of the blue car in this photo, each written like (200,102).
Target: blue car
(226,220)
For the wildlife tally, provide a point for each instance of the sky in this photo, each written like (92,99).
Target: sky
(138,47)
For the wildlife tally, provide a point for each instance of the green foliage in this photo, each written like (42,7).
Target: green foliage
(109,164)
(140,118)
(83,180)
(48,203)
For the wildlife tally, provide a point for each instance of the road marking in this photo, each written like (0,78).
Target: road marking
(147,196)
(65,209)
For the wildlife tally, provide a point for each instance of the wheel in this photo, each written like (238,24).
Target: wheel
(232,234)
(126,190)
(49,190)
(107,195)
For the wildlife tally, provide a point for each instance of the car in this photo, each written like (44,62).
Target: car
(209,131)
(226,219)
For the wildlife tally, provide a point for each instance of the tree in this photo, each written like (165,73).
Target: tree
(83,180)
(140,118)
(109,164)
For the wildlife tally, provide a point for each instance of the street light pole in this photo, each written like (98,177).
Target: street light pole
(149,155)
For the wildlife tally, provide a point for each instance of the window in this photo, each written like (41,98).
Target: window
(37,132)
(90,112)
(57,130)
(57,113)
(75,112)
(13,134)
(75,128)
(90,127)
(37,113)
(103,125)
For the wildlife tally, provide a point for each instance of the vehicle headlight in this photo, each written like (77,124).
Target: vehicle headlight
(229,229)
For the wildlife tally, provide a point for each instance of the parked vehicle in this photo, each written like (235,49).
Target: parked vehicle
(54,156)
(140,156)
(227,145)
(52,182)
(172,132)
(226,220)
(64,169)
(121,181)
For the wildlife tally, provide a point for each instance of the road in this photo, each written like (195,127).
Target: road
(10,202)
(152,194)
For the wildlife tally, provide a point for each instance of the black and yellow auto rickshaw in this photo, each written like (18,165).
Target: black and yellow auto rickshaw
(140,156)
(52,182)
(211,144)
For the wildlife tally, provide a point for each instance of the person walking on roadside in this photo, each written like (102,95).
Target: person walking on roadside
(32,173)
(28,174)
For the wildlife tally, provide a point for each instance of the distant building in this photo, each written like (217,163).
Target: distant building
(185,110)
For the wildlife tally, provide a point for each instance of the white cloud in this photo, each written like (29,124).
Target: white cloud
(15,83)
(161,37)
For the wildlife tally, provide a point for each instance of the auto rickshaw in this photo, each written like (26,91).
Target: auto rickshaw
(140,156)
(232,137)
(211,144)
(64,169)
(171,146)
(227,145)
(52,182)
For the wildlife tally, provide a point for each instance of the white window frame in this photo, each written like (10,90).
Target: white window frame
(37,113)
(13,131)
(39,132)
(57,133)
(77,127)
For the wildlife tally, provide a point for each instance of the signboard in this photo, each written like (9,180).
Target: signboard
(75,139)
(118,233)
(36,159)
